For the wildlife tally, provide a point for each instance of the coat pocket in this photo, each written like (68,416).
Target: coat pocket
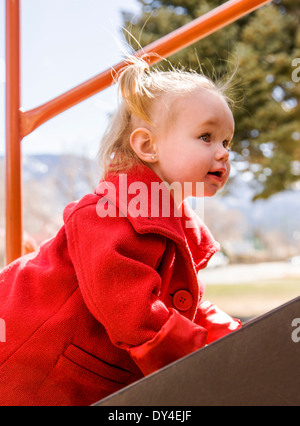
(96,366)
(81,379)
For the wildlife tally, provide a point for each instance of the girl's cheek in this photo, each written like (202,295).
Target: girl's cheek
(228,168)
(227,175)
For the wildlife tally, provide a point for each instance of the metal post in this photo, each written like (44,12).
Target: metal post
(14,225)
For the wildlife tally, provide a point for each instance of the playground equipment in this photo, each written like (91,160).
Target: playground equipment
(20,123)
(255,366)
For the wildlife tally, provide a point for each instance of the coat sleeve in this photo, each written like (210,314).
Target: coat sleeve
(117,273)
(215,321)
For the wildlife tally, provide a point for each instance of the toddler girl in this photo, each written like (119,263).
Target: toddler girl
(115,295)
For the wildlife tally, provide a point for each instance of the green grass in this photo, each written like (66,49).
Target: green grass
(248,300)
(290,288)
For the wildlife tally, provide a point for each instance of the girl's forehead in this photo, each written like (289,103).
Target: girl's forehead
(202,98)
(203,105)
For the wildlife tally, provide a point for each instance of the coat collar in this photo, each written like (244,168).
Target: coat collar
(134,195)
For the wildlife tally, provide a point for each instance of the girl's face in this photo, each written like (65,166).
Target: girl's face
(195,146)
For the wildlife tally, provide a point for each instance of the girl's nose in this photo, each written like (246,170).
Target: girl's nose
(222,154)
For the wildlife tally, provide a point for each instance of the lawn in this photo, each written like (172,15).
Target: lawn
(248,300)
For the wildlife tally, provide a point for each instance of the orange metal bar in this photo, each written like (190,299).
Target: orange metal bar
(20,123)
(163,48)
(14,225)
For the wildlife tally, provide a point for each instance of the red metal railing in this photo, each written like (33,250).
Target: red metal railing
(13,184)
(20,123)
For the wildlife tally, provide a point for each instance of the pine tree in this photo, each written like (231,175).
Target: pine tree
(261,47)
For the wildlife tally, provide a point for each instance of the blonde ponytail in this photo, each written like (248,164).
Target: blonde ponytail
(133,87)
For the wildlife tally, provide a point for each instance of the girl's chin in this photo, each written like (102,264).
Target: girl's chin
(209,195)
(212,189)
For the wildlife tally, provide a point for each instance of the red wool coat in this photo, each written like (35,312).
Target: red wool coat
(105,302)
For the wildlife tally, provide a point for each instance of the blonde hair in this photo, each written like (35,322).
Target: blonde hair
(140,87)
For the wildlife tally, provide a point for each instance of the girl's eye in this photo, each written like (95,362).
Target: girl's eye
(227,145)
(205,138)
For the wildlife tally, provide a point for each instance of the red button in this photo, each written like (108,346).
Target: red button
(183,300)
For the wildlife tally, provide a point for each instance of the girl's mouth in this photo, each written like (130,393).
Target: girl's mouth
(217,174)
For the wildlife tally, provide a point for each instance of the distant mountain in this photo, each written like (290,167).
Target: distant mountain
(280,212)
(70,177)
(52,181)
(65,176)
(66,169)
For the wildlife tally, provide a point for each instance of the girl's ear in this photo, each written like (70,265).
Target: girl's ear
(141,141)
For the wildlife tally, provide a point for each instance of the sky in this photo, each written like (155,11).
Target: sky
(64,43)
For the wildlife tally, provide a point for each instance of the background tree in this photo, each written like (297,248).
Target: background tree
(262,46)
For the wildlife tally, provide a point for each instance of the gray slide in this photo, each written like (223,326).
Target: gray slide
(255,366)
